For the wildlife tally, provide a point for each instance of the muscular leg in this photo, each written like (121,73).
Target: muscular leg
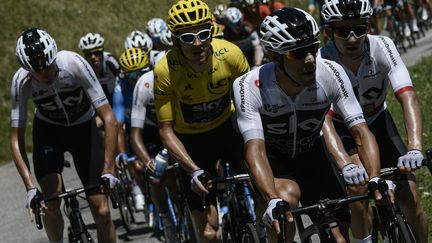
(102,217)
(53,220)
(207,223)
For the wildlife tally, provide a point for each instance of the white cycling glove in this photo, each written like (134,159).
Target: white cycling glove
(195,180)
(354,174)
(113,181)
(391,185)
(30,195)
(412,159)
(268,214)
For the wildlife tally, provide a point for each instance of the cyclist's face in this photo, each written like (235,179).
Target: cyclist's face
(46,75)
(199,50)
(301,64)
(349,36)
(95,59)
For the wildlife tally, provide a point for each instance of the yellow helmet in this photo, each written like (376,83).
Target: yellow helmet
(217,30)
(133,59)
(188,13)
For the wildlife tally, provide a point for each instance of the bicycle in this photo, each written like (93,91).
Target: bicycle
(238,225)
(77,231)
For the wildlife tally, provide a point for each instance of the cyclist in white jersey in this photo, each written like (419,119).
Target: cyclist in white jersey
(280,109)
(158,30)
(104,64)
(372,62)
(66,93)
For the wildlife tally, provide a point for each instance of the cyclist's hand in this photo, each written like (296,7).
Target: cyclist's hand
(196,184)
(113,181)
(410,161)
(121,158)
(354,174)
(374,187)
(31,194)
(268,217)
(151,165)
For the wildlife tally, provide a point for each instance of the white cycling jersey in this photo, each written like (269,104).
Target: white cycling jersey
(143,101)
(110,70)
(69,100)
(155,56)
(381,65)
(290,126)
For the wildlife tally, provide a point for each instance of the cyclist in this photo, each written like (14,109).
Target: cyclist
(104,64)
(372,62)
(134,63)
(219,13)
(138,39)
(193,104)
(157,29)
(218,31)
(66,93)
(280,110)
(244,36)
(146,144)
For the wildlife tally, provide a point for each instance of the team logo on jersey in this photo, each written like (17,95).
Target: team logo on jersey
(374,92)
(221,52)
(219,86)
(389,51)
(147,85)
(273,108)
(257,83)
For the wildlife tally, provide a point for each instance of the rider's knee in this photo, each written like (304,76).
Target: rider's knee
(210,233)
(103,212)
(53,206)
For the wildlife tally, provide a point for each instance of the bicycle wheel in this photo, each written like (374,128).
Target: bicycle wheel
(400,231)
(249,234)
(124,212)
(227,237)
(191,232)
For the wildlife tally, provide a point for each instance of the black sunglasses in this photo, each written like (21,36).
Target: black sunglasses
(345,32)
(189,38)
(301,53)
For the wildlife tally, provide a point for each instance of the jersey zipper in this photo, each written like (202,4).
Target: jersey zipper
(61,106)
(294,121)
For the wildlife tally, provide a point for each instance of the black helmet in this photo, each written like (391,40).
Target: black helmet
(36,49)
(288,29)
(337,10)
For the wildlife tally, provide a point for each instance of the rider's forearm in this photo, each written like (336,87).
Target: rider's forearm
(367,149)
(334,143)
(20,158)
(413,119)
(111,136)
(138,146)
(178,151)
(121,144)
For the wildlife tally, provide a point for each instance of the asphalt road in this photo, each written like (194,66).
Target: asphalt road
(16,227)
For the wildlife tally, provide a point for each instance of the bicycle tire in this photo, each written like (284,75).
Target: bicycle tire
(249,234)
(227,236)
(400,232)
(124,213)
(191,229)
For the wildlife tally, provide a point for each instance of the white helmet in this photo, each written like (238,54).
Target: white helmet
(155,27)
(91,41)
(35,49)
(337,10)
(219,11)
(233,15)
(288,29)
(138,39)
(165,38)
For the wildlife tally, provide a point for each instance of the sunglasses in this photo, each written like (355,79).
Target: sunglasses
(301,53)
(345,32)
(189,38)
(135,75)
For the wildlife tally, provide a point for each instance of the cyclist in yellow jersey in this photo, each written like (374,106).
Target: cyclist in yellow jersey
(194,107)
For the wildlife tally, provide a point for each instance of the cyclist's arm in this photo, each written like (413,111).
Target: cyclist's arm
(119,112)
(19,155)
(262,174)
(111,127)
(138,146)
(176,147)
(412,117)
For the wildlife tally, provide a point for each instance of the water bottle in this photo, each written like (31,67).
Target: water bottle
(161,162)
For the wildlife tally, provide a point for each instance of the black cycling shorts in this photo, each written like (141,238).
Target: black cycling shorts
(315,174)
(83,141)
(205,149)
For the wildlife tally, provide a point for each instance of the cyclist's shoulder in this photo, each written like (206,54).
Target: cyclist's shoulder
(21,76)
(146,81)
(225,50)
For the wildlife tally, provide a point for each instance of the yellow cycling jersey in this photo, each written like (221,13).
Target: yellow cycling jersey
(197,102)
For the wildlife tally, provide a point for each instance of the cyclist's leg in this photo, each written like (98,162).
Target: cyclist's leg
(48,164)
(88,154)
(391,148)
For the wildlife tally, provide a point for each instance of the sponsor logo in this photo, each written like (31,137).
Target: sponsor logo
(389,51)
(242,95)
(147,85)
(371,74)
(188,86)
(221,52)
(338,79)
(257,83)
(218,87)
(374,92)
(273,108)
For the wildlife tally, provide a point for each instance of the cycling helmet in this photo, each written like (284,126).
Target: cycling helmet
(188,13)
(133,59)
(288,29)
(219,11)
(35,49)
(138,39)
(233,15)
(337,10)
(165,38)
(91,42)
(217,31)
(156,26)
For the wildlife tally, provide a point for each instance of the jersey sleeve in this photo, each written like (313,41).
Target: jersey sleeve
(247,100)
(86,77)
(238,61)
(118,103)
(344,100)
(112,64)
(163,92)
(20,93)
(141,97)
(398,74)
